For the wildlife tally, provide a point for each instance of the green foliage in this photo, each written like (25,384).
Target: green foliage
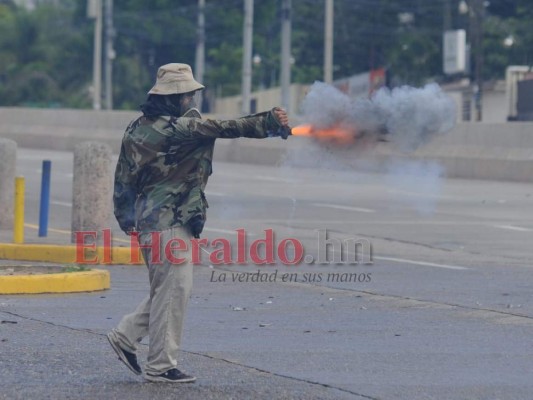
(75,268)
(228,58)
(42,57)
(415,58)
(46,53)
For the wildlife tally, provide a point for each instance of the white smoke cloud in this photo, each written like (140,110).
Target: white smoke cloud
(411,116)
(325,106)
(415,183)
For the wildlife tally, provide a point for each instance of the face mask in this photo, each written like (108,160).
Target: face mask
(187,102)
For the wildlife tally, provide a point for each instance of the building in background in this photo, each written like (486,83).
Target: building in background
(32,4)
(360,85)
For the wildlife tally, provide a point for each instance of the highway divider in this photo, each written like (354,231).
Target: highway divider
(473,150)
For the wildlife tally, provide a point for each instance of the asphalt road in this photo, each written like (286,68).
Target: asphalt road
(444,311)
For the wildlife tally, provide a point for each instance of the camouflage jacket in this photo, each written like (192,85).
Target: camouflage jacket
(164,165)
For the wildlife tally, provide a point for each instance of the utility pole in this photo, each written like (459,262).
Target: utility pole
(477,15)
(199,62)
(109,54)
(447,16)
(286,54)
(248,31)
(328,42)
(94,10)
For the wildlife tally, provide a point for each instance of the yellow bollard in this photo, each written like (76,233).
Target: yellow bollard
(18,226)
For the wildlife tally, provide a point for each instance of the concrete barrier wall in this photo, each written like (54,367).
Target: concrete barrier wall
(63,129)
(501,151)
(472,150)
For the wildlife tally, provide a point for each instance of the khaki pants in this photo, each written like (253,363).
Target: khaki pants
(161,314)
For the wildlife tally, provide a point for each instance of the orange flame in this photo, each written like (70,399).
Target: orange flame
(335,134)
(302,130)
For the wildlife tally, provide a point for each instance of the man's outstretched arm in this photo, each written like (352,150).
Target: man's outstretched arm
(258,126)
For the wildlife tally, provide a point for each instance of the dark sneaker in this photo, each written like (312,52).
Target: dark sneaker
(173,376)
(130,359)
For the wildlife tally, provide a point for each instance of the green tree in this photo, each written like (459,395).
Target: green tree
(41,57)
(46,54)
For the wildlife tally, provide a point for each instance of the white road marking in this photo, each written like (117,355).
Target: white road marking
(429,195)
(216,230)
(209,193)
(513,228)
(373,222)
(423,263)
(61,203)
(244,175)
(228,231)
(205,251)
(33,226)
(346,208)
(274,179)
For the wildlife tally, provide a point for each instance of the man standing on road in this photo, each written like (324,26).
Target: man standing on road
(163,167)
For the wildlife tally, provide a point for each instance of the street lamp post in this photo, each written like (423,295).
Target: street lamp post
(477,21)
(286,11)
(94,10)
(248,27)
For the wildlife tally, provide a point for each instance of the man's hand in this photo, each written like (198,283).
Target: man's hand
(196,225)
(131,231)
(281,116)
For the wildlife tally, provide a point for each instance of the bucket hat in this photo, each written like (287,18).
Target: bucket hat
(175,78)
